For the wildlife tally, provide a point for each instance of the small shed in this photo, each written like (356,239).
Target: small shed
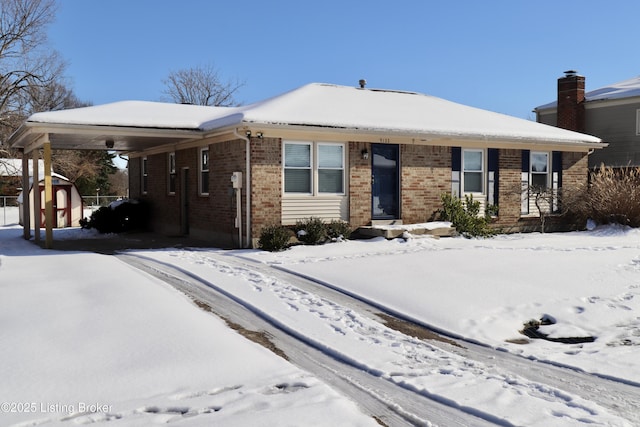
(67,203)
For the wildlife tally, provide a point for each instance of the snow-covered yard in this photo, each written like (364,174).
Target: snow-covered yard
(87,329)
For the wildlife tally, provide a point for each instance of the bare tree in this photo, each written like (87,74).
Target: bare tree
(119,183)
(544,198)
(201,85)
(23,61)
(22,33)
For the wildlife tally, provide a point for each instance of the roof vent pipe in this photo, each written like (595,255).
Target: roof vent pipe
(362,83)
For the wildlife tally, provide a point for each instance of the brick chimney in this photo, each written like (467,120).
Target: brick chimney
(571,101)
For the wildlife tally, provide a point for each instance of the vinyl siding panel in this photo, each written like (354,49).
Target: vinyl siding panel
(616,125)
(549,118)
(327,208)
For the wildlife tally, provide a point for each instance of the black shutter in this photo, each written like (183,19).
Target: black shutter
(456,159)
(456,168)
(525,160)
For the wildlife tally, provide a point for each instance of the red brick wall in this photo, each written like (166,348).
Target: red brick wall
(359,185)
(509,194)
(425,175)
(134,166)
(210,216)
(574,170)
(571,103)
(266,183)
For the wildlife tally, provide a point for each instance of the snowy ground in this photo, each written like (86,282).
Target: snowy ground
(110,335)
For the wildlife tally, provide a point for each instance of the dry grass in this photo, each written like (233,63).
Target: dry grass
(259,337)
(612,196)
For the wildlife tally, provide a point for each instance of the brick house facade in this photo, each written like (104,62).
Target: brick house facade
(339,153)
(425,176)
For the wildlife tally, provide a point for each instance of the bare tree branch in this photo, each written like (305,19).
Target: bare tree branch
(201,85)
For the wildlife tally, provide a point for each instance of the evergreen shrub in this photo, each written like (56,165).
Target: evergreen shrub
(465,216)
(274,238)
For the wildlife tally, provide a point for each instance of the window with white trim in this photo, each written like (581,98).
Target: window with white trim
(171,166)
(314,168)
(473,171)
(330,168)
(539,169)
(203,181)
(145,175)
(297,168)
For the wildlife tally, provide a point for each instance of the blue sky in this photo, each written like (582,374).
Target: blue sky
(504,56)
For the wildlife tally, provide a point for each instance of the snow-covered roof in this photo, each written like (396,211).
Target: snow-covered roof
(625,89)
(141,114)
(391,112)
(325,107)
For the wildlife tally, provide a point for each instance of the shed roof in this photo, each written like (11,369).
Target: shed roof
(135,125)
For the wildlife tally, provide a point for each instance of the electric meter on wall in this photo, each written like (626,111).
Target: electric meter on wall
(236,179)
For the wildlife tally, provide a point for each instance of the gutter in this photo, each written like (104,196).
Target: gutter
(247,175)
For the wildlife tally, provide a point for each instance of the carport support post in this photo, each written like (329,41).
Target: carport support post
(37,215)
(48,195)
(26,203)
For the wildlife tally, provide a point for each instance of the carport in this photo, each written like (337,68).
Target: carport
(126,127)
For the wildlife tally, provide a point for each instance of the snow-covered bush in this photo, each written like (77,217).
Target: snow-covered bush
(311,231)
(338,230)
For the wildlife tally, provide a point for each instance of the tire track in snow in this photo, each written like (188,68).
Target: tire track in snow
(440,374)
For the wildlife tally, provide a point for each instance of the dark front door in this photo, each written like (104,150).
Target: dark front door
(385,181)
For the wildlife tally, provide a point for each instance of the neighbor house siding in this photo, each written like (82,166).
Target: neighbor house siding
(425,175)
(549,117)
(617,125)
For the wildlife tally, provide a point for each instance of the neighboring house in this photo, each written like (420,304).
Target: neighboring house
(11,175)
(611,113)
(365,156)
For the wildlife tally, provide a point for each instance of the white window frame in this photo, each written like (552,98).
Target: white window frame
(172,176)
(144,175)
(202,171)
(482,170)
(314,148)
(548,171)
(317,168)
(309,168)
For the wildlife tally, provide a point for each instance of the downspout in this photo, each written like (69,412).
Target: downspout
(247,193)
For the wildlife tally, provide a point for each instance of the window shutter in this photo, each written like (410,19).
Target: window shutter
(524,183)
(492,187)
(456,167)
